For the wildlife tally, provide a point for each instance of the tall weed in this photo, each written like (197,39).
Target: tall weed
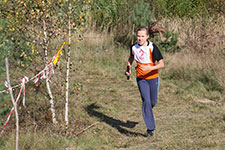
(202,59)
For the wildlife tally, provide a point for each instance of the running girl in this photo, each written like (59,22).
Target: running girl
(149,59)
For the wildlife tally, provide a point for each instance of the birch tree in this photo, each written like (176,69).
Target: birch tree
(47,74)
(78,14)
(68,69)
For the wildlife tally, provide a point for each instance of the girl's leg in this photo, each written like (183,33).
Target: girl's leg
(154,87)
(144,88)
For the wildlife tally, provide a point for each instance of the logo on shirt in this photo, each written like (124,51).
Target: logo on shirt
(141,54)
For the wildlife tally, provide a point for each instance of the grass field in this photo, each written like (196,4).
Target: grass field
(105,108)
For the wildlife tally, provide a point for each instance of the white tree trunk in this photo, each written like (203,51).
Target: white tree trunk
(67,75)
(14,103)
(47,79)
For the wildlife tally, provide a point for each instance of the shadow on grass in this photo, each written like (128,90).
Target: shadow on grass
(115,123)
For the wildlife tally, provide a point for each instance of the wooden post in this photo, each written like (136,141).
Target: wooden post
(13,101)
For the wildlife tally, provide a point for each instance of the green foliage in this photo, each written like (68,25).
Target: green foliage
(169,43)
(5,101)
(181,8)
(216,6)
(22,25)
(113,12)
(108,14)
(122,14)
(188,8)
(141,14)
(14,43)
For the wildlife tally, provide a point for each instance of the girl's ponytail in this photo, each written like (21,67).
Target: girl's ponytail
(152,29)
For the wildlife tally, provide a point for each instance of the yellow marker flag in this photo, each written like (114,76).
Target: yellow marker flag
(60,49)
(56,59)
(59,52)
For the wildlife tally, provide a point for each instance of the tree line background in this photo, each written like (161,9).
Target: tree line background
(21,21)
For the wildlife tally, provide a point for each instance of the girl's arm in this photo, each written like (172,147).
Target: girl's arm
(159,65)
(130,60)
(129,63)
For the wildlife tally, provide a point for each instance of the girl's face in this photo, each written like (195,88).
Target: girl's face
(142,37)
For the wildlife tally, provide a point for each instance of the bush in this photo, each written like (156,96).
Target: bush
(141,14)
(107,14)
(181,8)
(169,43)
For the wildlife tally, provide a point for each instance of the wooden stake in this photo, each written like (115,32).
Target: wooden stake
(13,101)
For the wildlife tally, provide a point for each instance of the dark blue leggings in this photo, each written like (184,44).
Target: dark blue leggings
(149,93)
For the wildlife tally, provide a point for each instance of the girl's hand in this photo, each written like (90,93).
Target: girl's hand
(146,67)
(128,72)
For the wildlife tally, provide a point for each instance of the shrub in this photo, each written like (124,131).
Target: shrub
(181,8)
(169,44)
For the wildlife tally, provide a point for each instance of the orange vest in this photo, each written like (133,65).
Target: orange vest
(143,56)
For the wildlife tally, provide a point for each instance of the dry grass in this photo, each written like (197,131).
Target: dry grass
(96,39)
(204,49)
(198,33)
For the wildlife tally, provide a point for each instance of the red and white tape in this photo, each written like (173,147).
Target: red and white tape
(43,74)
(24,80)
